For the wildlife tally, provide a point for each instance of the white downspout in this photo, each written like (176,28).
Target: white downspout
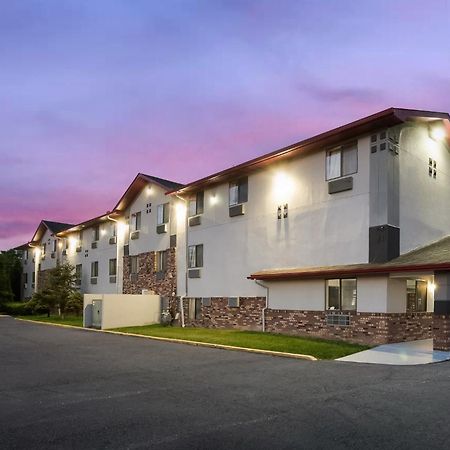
(182,297)
(263,312)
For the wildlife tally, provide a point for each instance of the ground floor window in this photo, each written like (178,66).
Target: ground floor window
(341,294)
(195,308)
(416,294)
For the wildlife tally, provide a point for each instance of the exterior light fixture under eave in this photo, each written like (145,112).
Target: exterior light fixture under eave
(213,199)
(181,211)
(283,186)
(437,131)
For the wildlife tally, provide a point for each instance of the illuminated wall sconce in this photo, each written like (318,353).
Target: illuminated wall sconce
(437,131)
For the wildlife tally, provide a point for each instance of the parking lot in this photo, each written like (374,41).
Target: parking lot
(68,388)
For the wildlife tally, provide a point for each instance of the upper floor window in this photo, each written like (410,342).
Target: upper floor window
(342,161)
(113,229)
(25,255)
(196,204)
(195,256)
(238,191)
(96,233)
(78,271)
(341,294)
(163,214)
(54,244)
(44,248)
(136,221)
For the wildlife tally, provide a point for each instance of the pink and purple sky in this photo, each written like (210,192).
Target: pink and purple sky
(93,92)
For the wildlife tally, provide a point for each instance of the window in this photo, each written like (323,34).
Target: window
(195,308)
(195,253)
(163,214)
(417,292)
(33,277)
(136,217)
(80,238)
(25,278)
(25,255)
(113,267)
(66,244)
(96,233)
(196,204)
(341,294)
(54,243)
(94,269)
(44,248)
(113,229)
(134,265)
(78,271)
(238,192)
(342,161)
(161,261)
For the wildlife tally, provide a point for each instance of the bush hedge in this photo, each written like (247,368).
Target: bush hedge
(17,308)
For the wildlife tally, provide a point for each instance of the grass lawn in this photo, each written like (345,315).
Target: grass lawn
(320,348)
(68,320)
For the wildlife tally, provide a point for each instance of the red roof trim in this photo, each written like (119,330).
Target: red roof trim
(370,270)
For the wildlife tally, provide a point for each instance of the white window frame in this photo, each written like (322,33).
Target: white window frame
(341,150)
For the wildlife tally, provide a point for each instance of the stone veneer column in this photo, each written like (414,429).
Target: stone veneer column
(441,319)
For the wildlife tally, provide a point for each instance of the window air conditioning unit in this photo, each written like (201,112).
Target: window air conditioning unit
(113,240)
(195,220)
(233,302)
(237,210)
(94,244)
(206,301)
(160,229)
(94,280)
(53,255)
(194,273)
(133,277)
(134,235)
(78,249)
(64,252)
(25,286)
(112,279)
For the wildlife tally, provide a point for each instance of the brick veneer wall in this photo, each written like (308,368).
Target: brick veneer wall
(42,277)
(248,316)
(364,328)
(147,277)
(441,332)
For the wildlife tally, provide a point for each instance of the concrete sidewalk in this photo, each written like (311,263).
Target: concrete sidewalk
(400,354)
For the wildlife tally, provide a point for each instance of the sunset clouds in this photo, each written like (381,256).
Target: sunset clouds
(92,93)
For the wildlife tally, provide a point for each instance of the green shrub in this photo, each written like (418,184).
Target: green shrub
(17,308)
(6,297)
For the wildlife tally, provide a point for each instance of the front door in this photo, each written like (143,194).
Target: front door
(96,313)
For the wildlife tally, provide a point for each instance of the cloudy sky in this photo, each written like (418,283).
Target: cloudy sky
(94,91)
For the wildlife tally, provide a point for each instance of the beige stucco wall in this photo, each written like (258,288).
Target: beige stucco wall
(124,310)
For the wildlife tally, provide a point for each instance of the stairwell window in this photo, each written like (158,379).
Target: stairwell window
(96,233)
(195,256)
(78,273)
(112,267)
(238,192)
(54,243)
(161,261)
(136,217)
(134,265)
(342,161)
(94,269)
(196,204)
(162,214)
(341,294)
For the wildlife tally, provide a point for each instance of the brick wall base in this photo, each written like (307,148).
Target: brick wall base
(441,332)
(364,328)
(247,316)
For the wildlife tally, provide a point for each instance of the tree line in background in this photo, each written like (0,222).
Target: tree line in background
(59,293)
(10,276)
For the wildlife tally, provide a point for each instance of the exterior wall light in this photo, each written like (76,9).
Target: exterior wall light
(283,186)
(431,286)
(437,132)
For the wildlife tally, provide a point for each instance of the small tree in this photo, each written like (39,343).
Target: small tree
(60,291)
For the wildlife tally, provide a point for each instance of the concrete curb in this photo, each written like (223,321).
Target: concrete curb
(184,341)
